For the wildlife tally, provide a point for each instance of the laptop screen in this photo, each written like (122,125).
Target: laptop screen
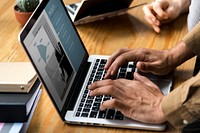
(54,46)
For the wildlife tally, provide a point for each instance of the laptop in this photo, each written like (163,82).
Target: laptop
(65,68)
(92,10)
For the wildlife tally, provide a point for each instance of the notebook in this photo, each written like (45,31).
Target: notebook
(64,66)
(92,10)
(17,77)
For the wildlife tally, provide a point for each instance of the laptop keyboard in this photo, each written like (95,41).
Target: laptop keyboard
(90,106)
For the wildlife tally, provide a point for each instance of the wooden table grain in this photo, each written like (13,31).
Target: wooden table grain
(101,37)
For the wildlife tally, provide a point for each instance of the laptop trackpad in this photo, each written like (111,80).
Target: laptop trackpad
(163,82)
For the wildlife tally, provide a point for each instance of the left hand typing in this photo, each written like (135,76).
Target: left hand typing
(138,99)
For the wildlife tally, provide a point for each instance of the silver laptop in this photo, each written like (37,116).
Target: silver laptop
(65,68)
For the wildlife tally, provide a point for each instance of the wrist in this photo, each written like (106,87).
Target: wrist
(161,113)
(179,54)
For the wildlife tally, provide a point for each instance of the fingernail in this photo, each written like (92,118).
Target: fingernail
(157,29)
(89,86)
(102,108)
(90,93)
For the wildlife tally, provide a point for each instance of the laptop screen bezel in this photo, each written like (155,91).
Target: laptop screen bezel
(24,32)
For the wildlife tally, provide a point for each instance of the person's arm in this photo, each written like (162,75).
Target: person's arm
(159,62)
(181,106)
(192,39)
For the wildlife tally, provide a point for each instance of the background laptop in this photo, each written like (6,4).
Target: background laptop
(54,47)
(92,10)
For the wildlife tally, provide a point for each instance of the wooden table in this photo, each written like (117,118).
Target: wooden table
(102,37)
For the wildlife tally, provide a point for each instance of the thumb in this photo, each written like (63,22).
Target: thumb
(144,66)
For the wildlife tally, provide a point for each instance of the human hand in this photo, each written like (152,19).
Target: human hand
(162,11)
(138,99)
(158,62)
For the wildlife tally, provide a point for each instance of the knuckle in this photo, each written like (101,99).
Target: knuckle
(93,84)
(110,59)
(114,102)
(109,89)
(121,50)
(109,81)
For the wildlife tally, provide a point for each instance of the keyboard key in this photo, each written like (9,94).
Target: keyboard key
(103,61)
(119,116)
(79,109)
(93,114)
(86,91)
(98,100)
(78,114)
(89,101)
(129,75)
(88,106)
(99,97)
(106,98)
(86,110)
(83,100)
(97,60)
(84,115)
(90,98)
(74,6)
(81,104)
(96,104)
(102,114)
(110,114)
(95,108)
(121,75)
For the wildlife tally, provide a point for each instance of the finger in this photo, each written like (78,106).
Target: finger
(156,28)
(104,90)
(114,62)
(146,67)
(132,55)
(149,14)
(113,88)
(153,88)
(141,67)
(107,89)
(152,21)
(155,25)
(159,8)
(109,104)
(144,79)
(151,67)
(112,103)
(114,56)
(100,83)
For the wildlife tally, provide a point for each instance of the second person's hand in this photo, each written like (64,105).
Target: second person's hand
(163,11)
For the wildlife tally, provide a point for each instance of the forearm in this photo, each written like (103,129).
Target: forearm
(192,39)
(181,106)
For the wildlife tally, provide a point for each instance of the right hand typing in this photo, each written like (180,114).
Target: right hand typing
(154,61)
